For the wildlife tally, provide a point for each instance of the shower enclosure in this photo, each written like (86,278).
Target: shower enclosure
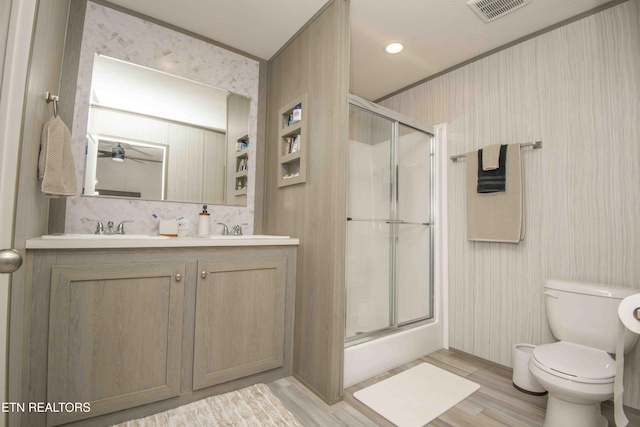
(389,278)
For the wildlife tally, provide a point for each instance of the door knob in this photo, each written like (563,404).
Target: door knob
(203,274)
(178,277)
(10,260)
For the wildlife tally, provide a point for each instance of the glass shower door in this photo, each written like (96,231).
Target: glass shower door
(389,237)
(369,233)
(413,231)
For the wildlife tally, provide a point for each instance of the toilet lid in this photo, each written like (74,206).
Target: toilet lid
(575,361)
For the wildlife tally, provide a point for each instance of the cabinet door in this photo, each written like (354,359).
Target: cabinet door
(114,336)
(239,327)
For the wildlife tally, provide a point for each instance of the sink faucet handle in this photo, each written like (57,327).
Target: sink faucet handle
(120,229)
(237,229)
(225,230)
(99,225)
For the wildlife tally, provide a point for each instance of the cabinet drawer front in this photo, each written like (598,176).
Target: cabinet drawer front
(240,312)
(114,336)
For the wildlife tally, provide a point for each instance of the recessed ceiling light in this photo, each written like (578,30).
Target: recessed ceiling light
(394,47)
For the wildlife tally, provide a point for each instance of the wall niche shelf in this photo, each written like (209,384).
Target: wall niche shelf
(292,140)
(242,164)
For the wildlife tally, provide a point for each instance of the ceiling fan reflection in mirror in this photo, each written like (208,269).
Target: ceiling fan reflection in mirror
(118,153)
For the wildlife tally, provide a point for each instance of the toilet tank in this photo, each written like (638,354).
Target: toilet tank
(586,313)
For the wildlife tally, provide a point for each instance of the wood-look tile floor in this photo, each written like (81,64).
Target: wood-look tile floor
(497,403)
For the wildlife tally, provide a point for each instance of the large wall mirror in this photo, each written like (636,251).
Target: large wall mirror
(155,136)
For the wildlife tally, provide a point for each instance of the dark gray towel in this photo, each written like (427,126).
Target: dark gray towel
(492,181)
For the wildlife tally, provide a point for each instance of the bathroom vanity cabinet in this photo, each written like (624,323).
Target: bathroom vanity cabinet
(239,319)
(136,331)
(114,335)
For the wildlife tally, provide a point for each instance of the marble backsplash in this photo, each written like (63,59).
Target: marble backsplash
(122,36)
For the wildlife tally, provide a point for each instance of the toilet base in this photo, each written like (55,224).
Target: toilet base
(561,413)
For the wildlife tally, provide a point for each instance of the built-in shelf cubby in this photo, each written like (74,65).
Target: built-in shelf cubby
(292,140)
(242,164)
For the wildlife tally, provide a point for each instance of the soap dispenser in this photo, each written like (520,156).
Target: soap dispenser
(203,223)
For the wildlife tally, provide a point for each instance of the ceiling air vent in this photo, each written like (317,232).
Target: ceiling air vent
(489,10)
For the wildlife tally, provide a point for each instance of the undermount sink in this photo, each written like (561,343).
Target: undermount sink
(103,237)
(247,236)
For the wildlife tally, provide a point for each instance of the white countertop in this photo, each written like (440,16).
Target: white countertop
(109,242)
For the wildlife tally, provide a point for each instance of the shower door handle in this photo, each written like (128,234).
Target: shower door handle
(388,221)
(397,184)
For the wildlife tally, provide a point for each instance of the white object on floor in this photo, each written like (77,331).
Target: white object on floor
(416,396)
(522,378)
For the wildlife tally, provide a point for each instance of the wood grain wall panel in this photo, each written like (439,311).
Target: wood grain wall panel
(186,164)
(261,151)
(314,62)
(215,167)
(577,89)
(67,93)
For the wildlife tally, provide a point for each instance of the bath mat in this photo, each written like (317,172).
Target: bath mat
(249,407)
(416,396)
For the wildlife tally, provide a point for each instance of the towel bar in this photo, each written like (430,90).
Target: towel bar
(535,145)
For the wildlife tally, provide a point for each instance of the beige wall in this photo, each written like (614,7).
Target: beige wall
(577,89)
(315,62)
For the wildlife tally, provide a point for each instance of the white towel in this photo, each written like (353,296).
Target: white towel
(491,157)
(56,167)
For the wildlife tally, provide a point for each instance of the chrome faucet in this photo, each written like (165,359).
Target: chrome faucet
(99,225)
(120,229)
(225,230)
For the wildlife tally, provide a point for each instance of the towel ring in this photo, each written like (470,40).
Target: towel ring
(49,97)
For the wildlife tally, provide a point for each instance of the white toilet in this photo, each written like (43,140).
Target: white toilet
(577,371)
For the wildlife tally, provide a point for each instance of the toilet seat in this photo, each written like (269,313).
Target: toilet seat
(575,362)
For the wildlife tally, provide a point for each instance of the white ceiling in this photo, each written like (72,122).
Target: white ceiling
(258,27)
(437,34)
